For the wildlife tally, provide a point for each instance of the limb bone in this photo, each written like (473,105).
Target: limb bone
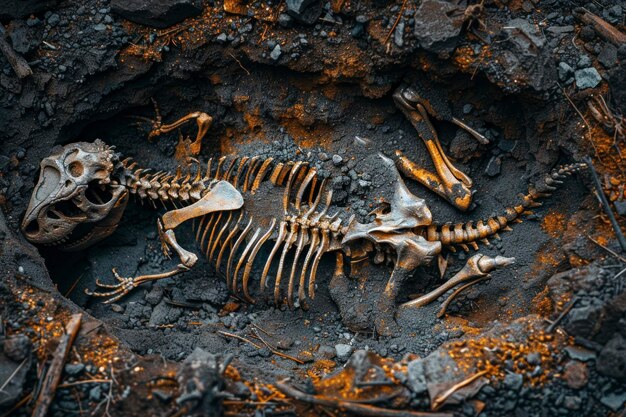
(449,182)
(221,196)
(477,266)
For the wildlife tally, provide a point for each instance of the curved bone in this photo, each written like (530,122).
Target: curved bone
(476,267)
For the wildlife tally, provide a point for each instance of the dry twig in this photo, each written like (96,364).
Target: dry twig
(53,376)
(603,28)
(561,316)
(12,375)
(441,399)
(395,23)
(605,204)
(236,336)
(356,408)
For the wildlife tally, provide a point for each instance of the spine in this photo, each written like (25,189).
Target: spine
(464,234)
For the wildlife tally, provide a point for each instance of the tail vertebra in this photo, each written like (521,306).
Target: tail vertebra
(463,234)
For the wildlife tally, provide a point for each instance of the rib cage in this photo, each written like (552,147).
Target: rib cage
(232,240)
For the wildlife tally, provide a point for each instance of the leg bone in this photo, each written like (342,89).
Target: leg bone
(477,266)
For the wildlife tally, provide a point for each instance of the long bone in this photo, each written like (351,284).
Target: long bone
(221,196)
(449,182)
(185,148)
(476,267)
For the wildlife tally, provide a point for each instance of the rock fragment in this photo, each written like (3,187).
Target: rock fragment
(343,351)
(587,78)
(575,374)
(612,358)
(436,28)
(156,13)
(304,11)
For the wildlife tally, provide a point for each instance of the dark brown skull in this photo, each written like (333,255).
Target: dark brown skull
(76,202)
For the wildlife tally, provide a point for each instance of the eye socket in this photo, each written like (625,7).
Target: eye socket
(76,169)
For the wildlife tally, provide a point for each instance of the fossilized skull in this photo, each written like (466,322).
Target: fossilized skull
(76,202)
(398,227)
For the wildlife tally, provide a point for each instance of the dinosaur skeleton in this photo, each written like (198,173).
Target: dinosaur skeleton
(84,187)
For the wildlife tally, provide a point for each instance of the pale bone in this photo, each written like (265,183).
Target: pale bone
(477,266)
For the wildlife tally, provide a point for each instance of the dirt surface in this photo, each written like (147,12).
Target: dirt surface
(281,86)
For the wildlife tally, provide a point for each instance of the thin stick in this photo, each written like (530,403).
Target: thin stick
(87,381)
(53,376)
(619,274)
(358,409)
(561,316)
(12,375)
(456,292)
(584,121)
(607,249)
(240,64)
(396,22)
(605,204)
(276,352)
(440,399)
(236,336)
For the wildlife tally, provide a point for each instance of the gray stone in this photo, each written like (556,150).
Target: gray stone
(337,159)
(398,35)
(343,351)
(95,393)
(507,145)
(74,369)
(514,381)
(285,20)
(533,358)
(612,359)
(99,27)
(155,295)
(201,379)
(587,33)
(613,400)
(608,56)
(572,403)
(23,38)
(580,353)
(164,314)
(4,162)
(581,321)
(326,352)
(620,207)
(587,78)
(565,71)
(276,52)
(54,20)
(17,347)
(493,167)
(527,36)
(156,13)
(436,28)
(305,11)
(584,62)
(560,29)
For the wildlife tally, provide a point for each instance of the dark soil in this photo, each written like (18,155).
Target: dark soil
(279,87)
